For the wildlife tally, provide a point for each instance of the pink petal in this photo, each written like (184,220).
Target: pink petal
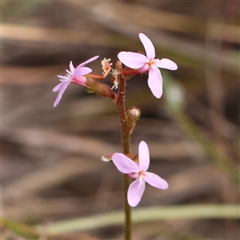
(135,192)
(166,63)
(57,88)
(143,156)
(80,71)
(63,77)
(124,164)
(144,69)
(155,81)
(80,80)
(132,60)
(149,48)
(62,89)
(71,67)
(88,61)
(155,181)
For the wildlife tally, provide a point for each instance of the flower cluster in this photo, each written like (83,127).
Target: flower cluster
(135,63)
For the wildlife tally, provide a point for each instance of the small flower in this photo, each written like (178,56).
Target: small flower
(138,172)
(106,65)
(105,159)
(148,63)
(74,75)
(115,79)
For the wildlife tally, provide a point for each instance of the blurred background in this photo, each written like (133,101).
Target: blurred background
(51,167)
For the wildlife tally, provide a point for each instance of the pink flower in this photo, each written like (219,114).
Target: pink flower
(138,172)
(75,75)
(148,63)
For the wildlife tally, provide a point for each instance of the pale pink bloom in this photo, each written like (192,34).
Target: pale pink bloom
(74,75)
(148,63)
(138,172)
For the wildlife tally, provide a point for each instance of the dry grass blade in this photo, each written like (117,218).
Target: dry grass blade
(158,19)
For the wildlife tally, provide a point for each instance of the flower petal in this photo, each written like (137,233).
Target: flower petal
(57,88)
(71,67)
(132,60)
(124,164)
(135,192)
(155,181)
(149,48)
(80,71)
(80,81)
(88,61)
(143,156)
(166,63)
(155,81)
(61,76)
(62,89)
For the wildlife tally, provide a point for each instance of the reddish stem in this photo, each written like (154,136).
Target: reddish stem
(126,149)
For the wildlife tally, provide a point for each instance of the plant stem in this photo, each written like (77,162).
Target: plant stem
(126,149)
(127,209)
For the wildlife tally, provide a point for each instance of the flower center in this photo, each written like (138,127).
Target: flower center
(151,62)
(141,174)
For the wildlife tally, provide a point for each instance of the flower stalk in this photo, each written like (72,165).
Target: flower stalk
(126,138)
(132,166)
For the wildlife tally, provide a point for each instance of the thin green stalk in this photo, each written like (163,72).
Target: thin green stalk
(126,149)
(21,229)
(146,215)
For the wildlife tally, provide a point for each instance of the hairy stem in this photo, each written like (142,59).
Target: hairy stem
(126,149)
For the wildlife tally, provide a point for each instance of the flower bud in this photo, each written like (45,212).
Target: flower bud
(100,89)
(133,114)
